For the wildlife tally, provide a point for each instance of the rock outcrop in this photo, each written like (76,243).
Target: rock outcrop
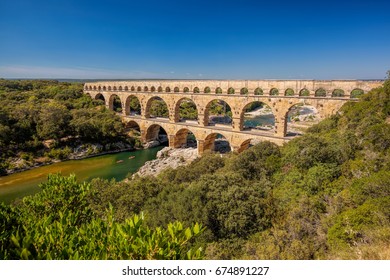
(167,157)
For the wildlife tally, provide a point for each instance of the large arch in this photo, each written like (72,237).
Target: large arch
(100,96)
(257,116)
(133,128)
(156,132)
(185,109)
(184,138)
(216,142)
(115,103)
(299,117)
(244,145)
(133,106)
(156,107)
(217,111)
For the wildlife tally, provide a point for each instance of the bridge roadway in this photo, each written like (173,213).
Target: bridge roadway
(326,96)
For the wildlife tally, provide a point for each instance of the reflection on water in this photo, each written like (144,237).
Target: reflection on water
(115,166)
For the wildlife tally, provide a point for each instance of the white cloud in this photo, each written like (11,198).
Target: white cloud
(22,71)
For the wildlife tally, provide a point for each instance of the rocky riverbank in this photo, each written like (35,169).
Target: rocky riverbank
(168,158)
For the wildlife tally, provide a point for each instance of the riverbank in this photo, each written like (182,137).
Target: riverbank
(83,151)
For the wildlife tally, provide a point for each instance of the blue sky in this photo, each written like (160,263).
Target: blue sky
(194,39)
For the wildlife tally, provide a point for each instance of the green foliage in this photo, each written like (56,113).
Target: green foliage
(35,111)
(353,226)
(159,109)
(95,125)
(289,92)
(57,223)
(274,91)
(187,110)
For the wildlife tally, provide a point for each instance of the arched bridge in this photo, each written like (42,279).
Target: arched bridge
(280,95)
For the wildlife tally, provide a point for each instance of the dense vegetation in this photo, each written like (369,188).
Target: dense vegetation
(32,112)
(324,195)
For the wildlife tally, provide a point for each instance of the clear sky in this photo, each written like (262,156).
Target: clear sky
(194,39)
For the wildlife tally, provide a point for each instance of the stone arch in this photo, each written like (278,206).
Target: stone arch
(104,88)
(207,90)
(146,88)
(244,91)
(262,118)
(99,88)
(156,132)
(126,88)
(185,138)
(209,143)
(133,106)
(120,88)
(160,110)
(304,92)
(244,145)
(139,89)
(115,103)
(100,96)
(196,90)
(94,87)
(176,89)
(186,89)
(289,92)
(321,92)
(230,90)
(160,89)
(299,117)
(338,93)
(191,111)
(114,88)
(258,91)
(274,91)
(167,89)
(220,110)
(218,90)
(109,88)
(133,128)
(132,88)
(152,89)
(355,93)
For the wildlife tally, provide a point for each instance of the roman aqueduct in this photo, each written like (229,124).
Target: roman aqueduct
(280,95)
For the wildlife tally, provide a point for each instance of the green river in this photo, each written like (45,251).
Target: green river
(109,166)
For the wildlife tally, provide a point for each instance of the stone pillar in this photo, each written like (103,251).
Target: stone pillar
(200,147)
(237,124)
(202,121)
(171,141)
(281,125)
(180,138)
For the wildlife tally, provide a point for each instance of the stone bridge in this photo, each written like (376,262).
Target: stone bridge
(280,95)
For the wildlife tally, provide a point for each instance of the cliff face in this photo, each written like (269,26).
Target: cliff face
(166,158)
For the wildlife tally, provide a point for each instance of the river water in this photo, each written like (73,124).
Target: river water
(115,166)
